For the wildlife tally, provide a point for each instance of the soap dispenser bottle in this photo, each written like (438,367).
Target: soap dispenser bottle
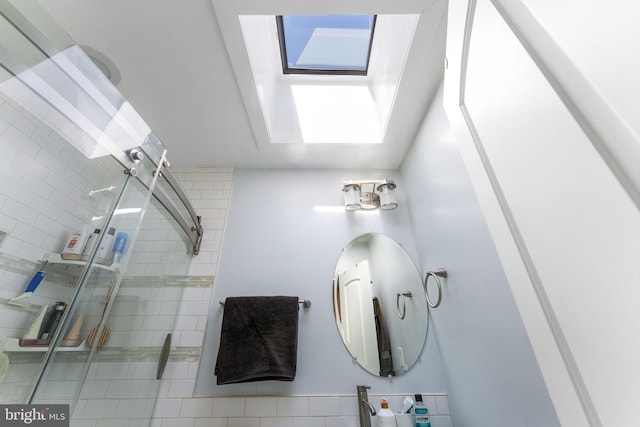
(420,413)
(385,416)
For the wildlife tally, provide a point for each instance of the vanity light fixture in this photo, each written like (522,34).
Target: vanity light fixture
(369,195)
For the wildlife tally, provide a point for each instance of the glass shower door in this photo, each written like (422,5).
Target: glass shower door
(120,298)
(122,384)
(84,330)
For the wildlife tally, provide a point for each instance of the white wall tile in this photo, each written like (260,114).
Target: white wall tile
(186,323)
(342,421)
(243,422)
(102,408)
(228,407)
(191,338)
(293,406)
(430,403)
(148,389)
(324,406)
(260,406)
(276,422)
(48,145)
(4,124)
(197,408)
(176,370)
(13,208)
(133,408)
(440,421)
(122,389)
(111,371)
(17,118)
(210,422)
(167,408)
(192,369)
(181,388)
(442,404)
(181,422)
(112,423)
(349,405)
(309,422)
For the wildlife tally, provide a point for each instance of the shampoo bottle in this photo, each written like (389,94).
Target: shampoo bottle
(119,246)
(92,242)
(75,242)
(420,413)
(385,416)
(104,251)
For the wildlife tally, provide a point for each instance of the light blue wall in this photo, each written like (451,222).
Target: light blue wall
(492,376)
(276,243)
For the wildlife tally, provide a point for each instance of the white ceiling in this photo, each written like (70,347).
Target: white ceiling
(174,69)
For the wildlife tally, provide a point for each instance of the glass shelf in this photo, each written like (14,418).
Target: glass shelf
(13,345)
(55,258)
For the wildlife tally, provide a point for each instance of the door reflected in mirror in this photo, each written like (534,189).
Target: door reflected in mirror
(379,305)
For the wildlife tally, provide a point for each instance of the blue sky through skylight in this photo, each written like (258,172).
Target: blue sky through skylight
(335,42)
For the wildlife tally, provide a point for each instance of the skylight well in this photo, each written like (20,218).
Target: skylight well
(325,44)
(324,79)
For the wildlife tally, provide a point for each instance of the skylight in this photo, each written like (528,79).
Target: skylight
(338,110)
(325,44)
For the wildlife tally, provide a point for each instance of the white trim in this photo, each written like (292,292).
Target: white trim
(610,135)
(566,386)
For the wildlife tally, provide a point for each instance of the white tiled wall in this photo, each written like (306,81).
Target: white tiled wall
(293,411)
(209,191)
(44,184)
(110,388)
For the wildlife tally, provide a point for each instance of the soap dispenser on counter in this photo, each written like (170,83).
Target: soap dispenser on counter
(385,416)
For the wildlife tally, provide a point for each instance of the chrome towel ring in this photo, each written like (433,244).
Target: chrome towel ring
(441,272)
(400,296)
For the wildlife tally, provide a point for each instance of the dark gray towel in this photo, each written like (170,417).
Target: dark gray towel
(384,342)
(258,340)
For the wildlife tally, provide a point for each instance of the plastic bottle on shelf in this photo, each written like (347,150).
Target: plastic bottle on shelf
(53,321)
(119,246)
(104,251)
(420,413)
(75,242)
(385,416)
(92,242)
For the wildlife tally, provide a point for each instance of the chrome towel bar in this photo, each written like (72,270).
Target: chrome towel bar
(306,303)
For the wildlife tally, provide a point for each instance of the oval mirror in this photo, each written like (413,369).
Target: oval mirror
(379,305)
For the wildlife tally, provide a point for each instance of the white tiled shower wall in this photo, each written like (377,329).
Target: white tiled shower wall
(43,195)
(43,188)
(45,184)
(119,393)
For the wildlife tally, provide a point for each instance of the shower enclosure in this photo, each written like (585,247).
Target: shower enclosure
(79,165)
